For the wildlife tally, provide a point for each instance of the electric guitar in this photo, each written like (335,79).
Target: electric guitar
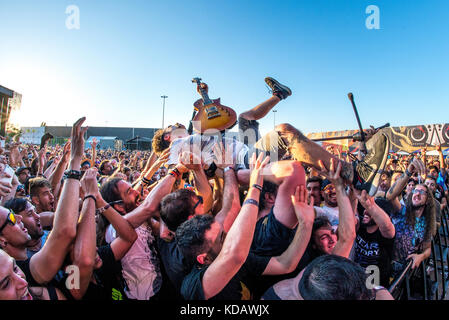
(210,114)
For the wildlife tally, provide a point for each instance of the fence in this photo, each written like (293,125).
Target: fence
(431,279)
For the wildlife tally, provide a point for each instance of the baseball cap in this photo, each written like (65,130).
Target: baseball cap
(325,183)
(21,169)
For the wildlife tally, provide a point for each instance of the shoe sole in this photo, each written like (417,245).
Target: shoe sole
(276,83)
(378,174)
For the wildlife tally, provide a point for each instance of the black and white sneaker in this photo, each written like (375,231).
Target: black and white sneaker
(367,173)
(278,89)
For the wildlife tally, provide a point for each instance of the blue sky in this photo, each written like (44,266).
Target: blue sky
(126,54)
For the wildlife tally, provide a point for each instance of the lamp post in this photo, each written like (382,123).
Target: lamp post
(163,110)
(274,118)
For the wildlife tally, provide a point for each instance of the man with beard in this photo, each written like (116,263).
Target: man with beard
(141,265)
(437,189)
(330,207)
(415,223)
(384,185)
(374,241)
(439,199)
(41,195)
(31,221)
(106,168)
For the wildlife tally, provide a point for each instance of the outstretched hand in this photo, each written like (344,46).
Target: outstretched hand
(223,156)
(303,206)
(77,138)
(417,166)
(332,174)
(89,182)
(366,200)
(257,166)
(190,161)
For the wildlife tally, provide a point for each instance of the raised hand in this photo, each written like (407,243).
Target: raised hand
(303,207)
(190,161)
(163,158)
(94,143)
(77,138)
(66,151)
(5,185)
(257,166)
(332,174)
(223,156)
(366,200)
(417,166)
(89,182)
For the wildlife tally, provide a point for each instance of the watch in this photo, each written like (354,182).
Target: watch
(72,174)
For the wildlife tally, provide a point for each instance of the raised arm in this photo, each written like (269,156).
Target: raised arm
(126,235)
(289,259)
(202,186)
(238,240)
(231,198)
(47,262)
(346,225)
(146,176)
(379,216)
(56,176)
(151,204)
(415,166)
(93,145)
(85,247)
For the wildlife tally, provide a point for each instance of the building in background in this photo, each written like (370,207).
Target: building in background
(108,137)
(9,101)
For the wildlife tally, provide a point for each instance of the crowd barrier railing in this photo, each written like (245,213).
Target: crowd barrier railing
(432,276)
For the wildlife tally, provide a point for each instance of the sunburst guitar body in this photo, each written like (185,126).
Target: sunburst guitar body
(211,114)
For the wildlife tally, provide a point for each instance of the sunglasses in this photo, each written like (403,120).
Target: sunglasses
(329,188)
(11,218)
(200,200)
(422,192)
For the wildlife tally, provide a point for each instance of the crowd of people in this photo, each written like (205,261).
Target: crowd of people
(279,219)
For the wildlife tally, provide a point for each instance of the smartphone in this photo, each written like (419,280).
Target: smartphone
(5,179)
(2,143)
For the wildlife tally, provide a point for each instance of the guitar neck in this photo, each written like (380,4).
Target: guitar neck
(205,96)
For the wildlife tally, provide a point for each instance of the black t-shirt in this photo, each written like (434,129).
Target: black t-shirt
(176,266)
(238,288)
(25,267)
(109,281)
(110,284)
(374,249)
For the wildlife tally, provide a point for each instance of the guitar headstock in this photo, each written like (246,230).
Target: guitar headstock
(196,80)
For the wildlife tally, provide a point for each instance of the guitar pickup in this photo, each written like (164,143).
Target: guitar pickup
(213,115)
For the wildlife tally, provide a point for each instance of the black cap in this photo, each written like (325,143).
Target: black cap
(19,171)
(325,183)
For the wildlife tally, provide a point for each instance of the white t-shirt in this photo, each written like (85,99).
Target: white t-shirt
(330,212)
(141,266)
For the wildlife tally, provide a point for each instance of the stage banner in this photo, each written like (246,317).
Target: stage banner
(407,138)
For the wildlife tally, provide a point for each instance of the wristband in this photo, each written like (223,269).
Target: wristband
(101,210)
(259,187)
(90,196)
(175,173)
(72,174)
(408,173)
(227,169)
(251,201)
